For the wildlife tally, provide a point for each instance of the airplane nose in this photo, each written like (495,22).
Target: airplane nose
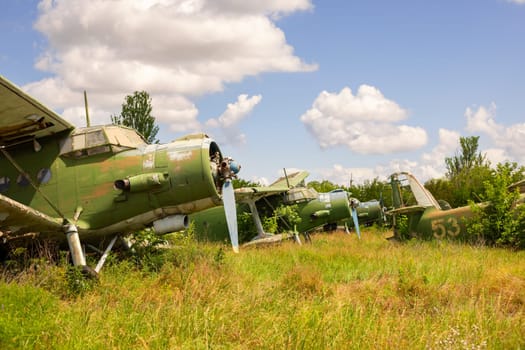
(235,167)
(229,168)
(354,203)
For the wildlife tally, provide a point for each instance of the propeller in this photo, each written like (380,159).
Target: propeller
(230,210)
(382,205)
(229,169)
(353,206)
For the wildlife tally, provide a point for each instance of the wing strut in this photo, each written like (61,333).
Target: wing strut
(256,219)
(70,229)
(26,175)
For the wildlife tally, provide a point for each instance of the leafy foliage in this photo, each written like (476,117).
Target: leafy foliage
(238,183)
(146,250)
(467,172)
(468,159)
(246,226)
(136,114)
(401,227)
(442,189)
(290,214)
(499,220)
(323,186)
(77,281)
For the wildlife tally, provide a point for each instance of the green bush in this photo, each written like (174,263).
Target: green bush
(500,220)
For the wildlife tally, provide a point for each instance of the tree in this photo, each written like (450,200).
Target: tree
(136,114)
(239,182)
(442,189)
(468,159)
(466,172)
(323,186)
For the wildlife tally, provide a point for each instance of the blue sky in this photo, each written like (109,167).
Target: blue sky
(339,88)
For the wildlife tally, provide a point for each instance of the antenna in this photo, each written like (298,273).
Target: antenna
(286,176)
(88,123)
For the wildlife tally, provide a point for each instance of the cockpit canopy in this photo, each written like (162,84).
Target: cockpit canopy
(300,194)
(88,141)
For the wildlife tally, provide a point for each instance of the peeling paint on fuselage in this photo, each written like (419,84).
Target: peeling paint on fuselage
(89,183)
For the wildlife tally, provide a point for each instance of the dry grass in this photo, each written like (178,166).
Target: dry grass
(336,293)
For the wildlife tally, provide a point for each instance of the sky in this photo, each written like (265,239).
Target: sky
(347,90)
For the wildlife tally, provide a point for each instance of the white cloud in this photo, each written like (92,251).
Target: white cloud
(276,8)
(496,155)
(338,174)
(432,164)
(519,2)
(482,120)
(509,141)
(507,144)
(234,114)
(173,49)
(367,122)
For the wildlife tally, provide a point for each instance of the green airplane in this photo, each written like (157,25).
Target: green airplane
(92,184)
(315,210)
(368,213)
(427,217)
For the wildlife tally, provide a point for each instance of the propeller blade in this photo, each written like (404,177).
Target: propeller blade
(356,222)
(230,210)
(347,231)
(382,205)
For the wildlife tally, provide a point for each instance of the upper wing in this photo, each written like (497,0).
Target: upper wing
(17,219)
(255,193)
(281,185)
(291,180)
(22,117)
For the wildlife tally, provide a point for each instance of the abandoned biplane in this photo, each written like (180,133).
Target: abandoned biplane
(92,184)
(427,217)
(314,209)
(368,213)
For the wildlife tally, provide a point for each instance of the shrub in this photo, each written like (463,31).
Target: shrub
(500,220)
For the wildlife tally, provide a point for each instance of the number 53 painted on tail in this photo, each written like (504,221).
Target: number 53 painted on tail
(427,218)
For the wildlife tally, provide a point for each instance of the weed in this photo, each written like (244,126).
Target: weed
(77,280)
(336,293)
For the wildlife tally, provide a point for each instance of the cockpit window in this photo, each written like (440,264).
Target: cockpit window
(124,137)
(302,194)
(95,138)
(89,141)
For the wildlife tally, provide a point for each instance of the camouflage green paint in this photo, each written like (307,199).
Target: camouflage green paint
(86,184)
(211,224)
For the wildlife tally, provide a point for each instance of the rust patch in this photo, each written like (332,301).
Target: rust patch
(124,162)
(99,191)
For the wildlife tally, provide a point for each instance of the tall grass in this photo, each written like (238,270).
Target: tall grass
(336,293)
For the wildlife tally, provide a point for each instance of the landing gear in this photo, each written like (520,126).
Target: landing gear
(73,241)
(77,253)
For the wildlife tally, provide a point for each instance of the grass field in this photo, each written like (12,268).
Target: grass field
(336,293)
